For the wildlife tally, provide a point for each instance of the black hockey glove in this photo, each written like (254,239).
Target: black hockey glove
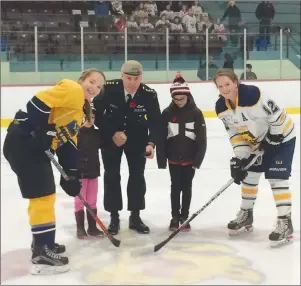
(237,173)
(274,139)
(44,135)
(73,186)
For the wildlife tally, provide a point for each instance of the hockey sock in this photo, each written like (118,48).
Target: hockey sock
(282,196)
(44,235)
(249,190)
(248,195)
(42,220)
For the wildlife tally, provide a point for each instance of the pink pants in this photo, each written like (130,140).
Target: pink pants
(89,192)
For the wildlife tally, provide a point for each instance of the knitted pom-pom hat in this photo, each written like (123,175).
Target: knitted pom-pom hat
(179,86)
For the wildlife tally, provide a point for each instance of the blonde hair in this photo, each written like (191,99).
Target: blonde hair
(229,73)
(88,72)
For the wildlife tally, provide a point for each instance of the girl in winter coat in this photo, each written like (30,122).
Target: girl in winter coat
(89,143)
(183,142)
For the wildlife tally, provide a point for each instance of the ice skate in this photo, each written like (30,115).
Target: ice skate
(242,223)
(283,232)
(46,262)
(58,248)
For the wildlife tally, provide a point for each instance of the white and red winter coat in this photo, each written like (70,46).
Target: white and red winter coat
(183,138)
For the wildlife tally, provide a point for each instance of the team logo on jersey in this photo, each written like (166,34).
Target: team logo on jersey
(65,133)
(182,262)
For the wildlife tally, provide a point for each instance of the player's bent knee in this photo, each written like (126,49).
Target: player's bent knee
(41,210)
(252,179)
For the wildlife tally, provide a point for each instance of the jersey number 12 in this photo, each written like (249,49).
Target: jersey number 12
(271,107)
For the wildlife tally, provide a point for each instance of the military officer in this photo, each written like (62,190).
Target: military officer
(128,115)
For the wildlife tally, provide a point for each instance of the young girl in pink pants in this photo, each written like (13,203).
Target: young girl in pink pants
(89,143)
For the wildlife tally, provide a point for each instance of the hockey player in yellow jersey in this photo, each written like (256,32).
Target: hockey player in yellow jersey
(253,120)
(50,120)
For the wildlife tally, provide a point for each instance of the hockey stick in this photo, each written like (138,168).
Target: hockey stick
(114,241)
(222,189)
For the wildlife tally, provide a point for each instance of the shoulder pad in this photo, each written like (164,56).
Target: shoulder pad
(220,106)
(69,83)
(113,82)
(147,89)
(249,95)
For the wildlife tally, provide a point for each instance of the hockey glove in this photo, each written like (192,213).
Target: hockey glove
(44,135)
(72,186)
(237,173)
(274,139)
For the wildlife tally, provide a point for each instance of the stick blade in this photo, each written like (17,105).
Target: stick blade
(160,245)
(115,242)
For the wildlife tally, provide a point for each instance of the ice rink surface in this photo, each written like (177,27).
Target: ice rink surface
(206,255)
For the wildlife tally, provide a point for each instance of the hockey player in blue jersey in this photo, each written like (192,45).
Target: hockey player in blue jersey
(253,120)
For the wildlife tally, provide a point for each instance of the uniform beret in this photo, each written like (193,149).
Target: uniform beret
(132,68)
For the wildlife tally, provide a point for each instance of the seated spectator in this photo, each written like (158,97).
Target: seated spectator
(219,30)
(249,74)
(183,12)
(205,20)
(189,22)
(196,8)
(168,13)
(117,7)
(128,7)
(145,26)
(131,24)
(175,5)
(176,27)
(140,12)
(118,23)
(162,23)
(151,8)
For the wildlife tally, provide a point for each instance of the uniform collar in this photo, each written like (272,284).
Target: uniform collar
(236,102)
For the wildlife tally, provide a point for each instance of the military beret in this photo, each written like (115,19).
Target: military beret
(132,68)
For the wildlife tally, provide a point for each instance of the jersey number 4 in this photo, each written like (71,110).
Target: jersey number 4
(271,107)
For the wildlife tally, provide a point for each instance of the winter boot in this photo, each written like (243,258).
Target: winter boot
(135,223)
(243,222)
(46,262)
(114,225)
(185,227)
(174,223)
(92,229)
(283,232)
(80,224)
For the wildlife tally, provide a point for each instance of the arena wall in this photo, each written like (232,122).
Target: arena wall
(285,93)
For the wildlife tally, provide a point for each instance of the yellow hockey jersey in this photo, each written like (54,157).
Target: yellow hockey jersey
(66,101)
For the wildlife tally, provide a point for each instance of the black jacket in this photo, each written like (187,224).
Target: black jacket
(233,14)
(139,119)
(178,126)
(89,143)
(265,11)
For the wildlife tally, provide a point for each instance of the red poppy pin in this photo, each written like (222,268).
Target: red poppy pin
(133,105)
(174,119)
